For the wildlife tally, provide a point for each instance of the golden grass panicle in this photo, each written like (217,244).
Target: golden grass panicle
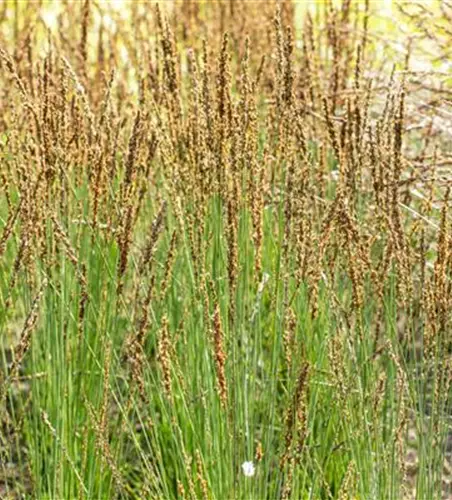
(169,264)
(200,475)
(164,350)
(349,483)
(296,418)
(156,229)
(220,356)
(84,38)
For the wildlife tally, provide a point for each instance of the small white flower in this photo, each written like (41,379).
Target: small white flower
(248,469)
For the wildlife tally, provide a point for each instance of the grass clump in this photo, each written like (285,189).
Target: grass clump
(225,259)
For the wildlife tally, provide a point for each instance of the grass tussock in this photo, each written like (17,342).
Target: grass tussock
(225,252)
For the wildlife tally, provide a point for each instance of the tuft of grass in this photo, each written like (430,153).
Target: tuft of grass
(218,249)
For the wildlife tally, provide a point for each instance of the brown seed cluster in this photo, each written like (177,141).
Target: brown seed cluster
(220,356)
